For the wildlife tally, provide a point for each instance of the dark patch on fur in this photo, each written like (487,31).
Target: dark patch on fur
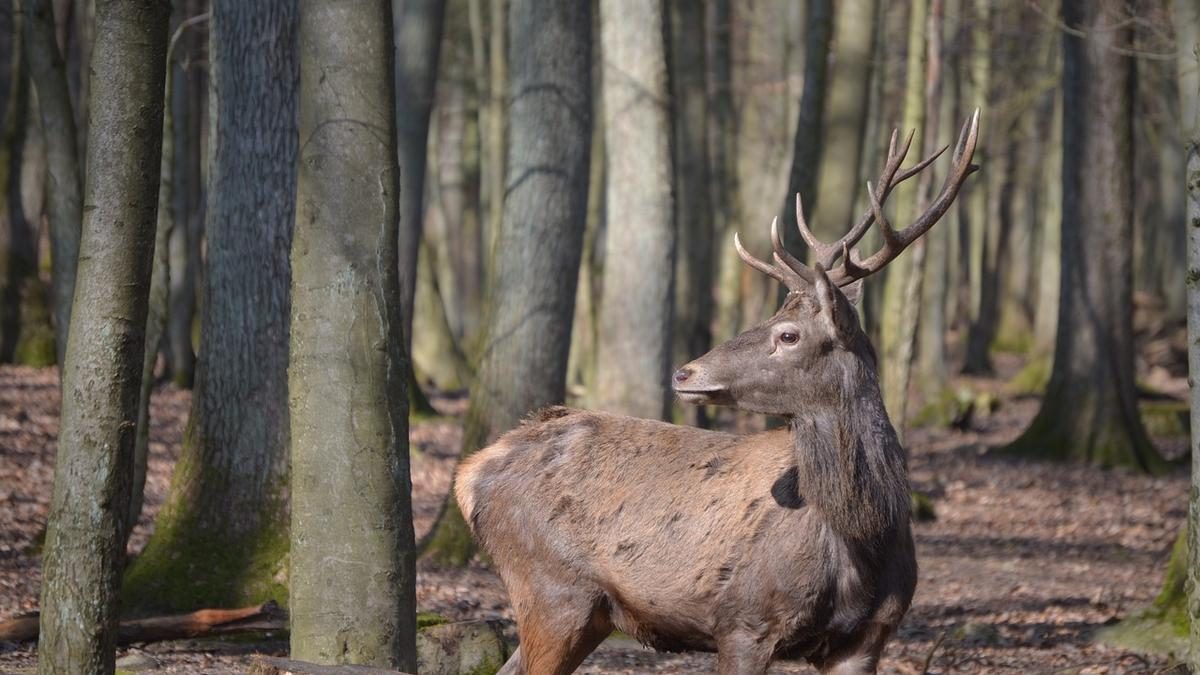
(551,412)
(711,467)
(751,508)
(786,490)
(626,549)
(724,573)
(561,507)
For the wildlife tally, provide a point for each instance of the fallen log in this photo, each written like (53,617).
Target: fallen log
(274,665)
(265,617)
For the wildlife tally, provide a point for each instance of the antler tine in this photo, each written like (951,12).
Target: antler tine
(825,253)
(895,242)
(785,260)
(887,181)
(776,273)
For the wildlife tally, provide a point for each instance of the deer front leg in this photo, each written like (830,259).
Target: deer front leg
(743,653)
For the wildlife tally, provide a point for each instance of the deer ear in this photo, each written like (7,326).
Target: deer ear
(853,292)
(835,310)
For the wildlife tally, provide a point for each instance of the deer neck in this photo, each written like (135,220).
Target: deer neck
(851,468)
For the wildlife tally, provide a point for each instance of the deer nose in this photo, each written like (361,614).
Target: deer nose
(683,374)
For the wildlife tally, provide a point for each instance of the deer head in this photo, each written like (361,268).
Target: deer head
(804,353)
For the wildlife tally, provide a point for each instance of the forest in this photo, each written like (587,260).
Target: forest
(599,336)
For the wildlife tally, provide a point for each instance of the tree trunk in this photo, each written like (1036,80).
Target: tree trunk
(353,577)
(974,207)
(723,153)
(1090,409)
(633,349)
(86,534)
(417,25)
(188,104)
(1049,247)
(845,120)
(899,310)
(1192,124)
(694,262)
(523,360)
(64,205)
(806,145)
(18,240)
(221,539)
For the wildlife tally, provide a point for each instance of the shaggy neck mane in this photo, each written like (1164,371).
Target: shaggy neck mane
(850,466)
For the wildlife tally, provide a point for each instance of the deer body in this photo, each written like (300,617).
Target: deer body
(790,543)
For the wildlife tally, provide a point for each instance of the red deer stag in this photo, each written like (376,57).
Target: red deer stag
(792,543)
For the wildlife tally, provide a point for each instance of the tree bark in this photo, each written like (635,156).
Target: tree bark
(221,539)
(633,349)
(695,262)
(417,25)
(723,153)
(1090,409)
(974,206)
(899,303)
(353,573)
(86,533)
(845,120)
(64,205)
(523,360)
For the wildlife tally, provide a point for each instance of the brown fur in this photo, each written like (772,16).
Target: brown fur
(789,543)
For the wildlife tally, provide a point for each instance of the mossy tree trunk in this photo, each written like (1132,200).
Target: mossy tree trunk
(1187,12)
(353,577)
(1090,409)
(221,539)
(633,347)
(523,359)
(64,190)
(85,539)
(694,261)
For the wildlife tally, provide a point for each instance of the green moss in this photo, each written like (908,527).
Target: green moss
(1032,379)
(488,667)
(35,343)
(1051,437)
(451,544)
(943,408)
(427,619)
(1161,628)
(1166,418)
(1012,342)
(189,564)
(922,507)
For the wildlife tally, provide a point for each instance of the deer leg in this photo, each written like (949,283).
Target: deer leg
(743,654)
(863,657)
(556,637)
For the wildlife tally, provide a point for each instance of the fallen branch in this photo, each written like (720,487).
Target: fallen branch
(265,617)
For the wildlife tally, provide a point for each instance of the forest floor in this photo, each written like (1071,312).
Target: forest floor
(1024,561)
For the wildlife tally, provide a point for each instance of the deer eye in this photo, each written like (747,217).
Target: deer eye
(789,338)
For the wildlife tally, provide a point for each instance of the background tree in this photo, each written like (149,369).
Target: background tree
(1090,409)
(633,350)
(353,579)
(695,259)
(221,539)
(84,556)
(523,360)
(64,205)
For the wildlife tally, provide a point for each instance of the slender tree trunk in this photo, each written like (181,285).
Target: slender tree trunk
(188,102)
(723,174)
(694,262)
(64,205)
(523,360)
(85,540)
(845,120)
(417,25)
(899,312)
(353,577)
(806,145)
(633,351)
(221,539)
(1090,409)
(1049,248)
(18,241)
(1188,11)
(974,208)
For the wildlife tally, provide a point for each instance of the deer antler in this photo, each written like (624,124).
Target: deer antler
(791,272)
